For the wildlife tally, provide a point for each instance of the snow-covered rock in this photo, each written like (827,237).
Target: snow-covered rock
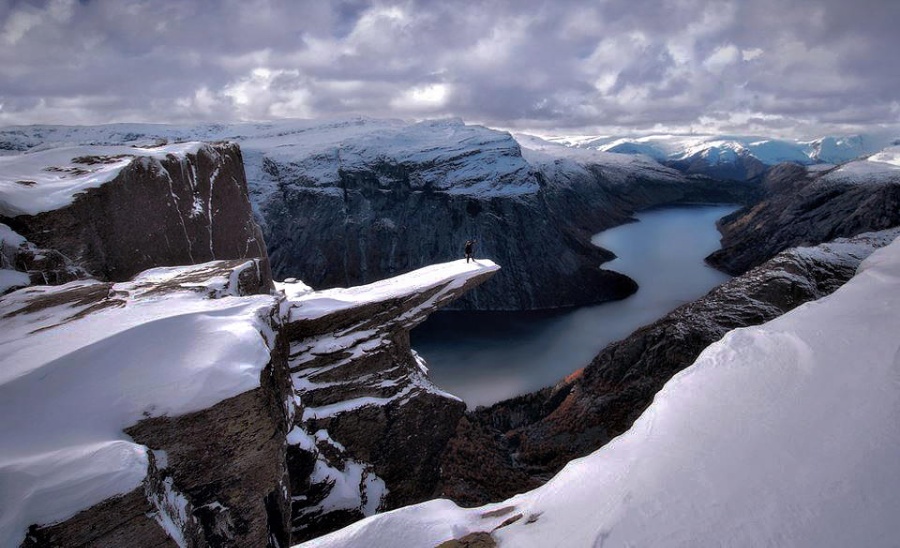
(882,167)
(780,434)
(22,263)
(114,211)
(372,426)
(112,392)
(190,403)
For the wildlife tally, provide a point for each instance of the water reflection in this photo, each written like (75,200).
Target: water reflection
(489,356)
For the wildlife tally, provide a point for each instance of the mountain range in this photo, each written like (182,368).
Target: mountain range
(168,379)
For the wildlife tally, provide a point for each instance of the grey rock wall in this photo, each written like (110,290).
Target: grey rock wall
(368,230)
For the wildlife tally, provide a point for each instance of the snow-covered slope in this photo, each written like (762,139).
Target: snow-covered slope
(783,434)
(463,159)
(559,162)
(878,168)
(840,149)
(83,361)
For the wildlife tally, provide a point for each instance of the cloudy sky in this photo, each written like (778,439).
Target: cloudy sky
(794,68)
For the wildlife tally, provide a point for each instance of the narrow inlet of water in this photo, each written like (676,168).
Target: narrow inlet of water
(486,357)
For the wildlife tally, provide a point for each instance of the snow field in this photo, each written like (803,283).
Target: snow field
(69,388)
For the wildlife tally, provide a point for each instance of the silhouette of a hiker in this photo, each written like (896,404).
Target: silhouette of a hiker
(470,244)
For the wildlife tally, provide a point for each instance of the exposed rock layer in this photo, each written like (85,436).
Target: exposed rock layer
(372,427)
(804,208)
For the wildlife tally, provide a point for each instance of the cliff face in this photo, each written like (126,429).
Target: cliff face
(373,233)
(371,428)
(536,434)
(807,207)
(378,211)
(192,405)
(116,211)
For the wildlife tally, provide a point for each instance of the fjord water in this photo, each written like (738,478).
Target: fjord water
(485,357)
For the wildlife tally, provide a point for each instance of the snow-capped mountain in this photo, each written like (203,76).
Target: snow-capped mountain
(461,159)
(735,157)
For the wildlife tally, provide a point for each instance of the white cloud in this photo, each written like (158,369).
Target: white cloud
(25,18)
(751,54)
(422,98)
(722,57)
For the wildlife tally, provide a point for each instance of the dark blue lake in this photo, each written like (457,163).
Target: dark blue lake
(485,357)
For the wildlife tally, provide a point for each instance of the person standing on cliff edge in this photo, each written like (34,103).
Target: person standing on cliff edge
(470,244)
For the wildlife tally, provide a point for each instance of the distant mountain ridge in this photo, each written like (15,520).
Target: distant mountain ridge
(735,156)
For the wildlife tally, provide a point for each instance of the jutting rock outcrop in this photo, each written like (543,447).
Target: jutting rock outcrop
(197,411)
(194,405)
(371,427)
(539,433)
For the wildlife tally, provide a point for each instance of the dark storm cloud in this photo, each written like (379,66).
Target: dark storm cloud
(790,67)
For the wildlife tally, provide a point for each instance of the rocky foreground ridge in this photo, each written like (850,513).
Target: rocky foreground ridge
(193,405)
